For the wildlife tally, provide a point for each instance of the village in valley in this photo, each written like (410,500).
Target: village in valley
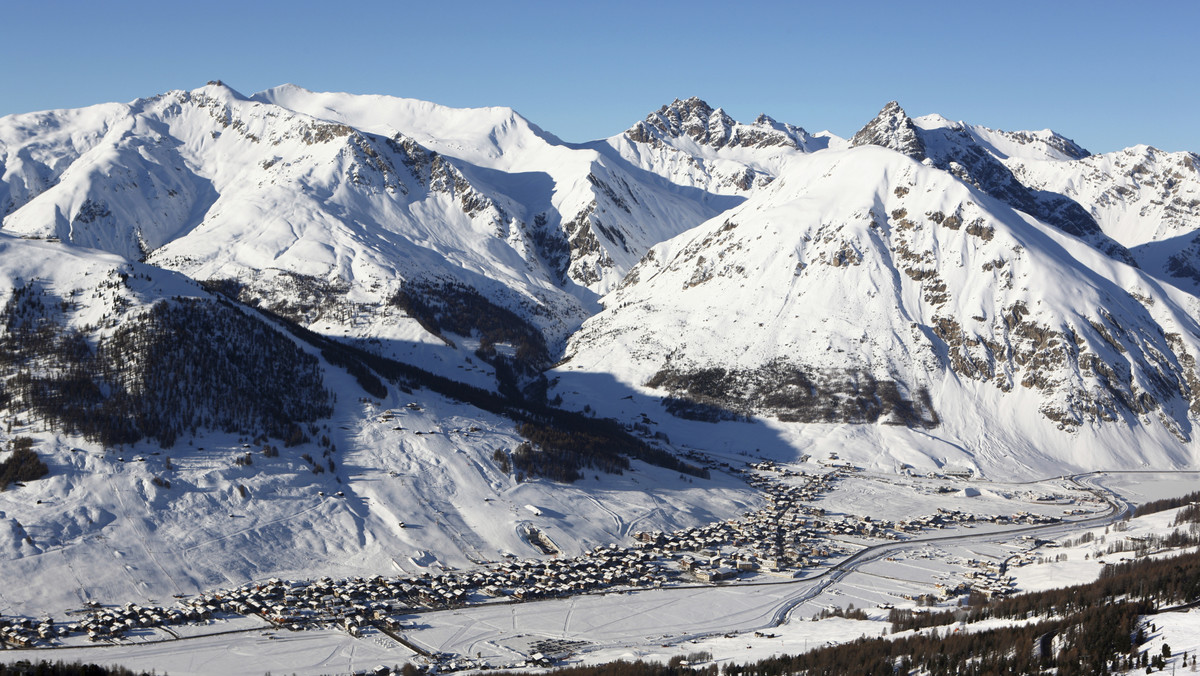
(796,536)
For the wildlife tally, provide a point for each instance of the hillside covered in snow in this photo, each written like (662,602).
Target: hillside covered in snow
(299,331)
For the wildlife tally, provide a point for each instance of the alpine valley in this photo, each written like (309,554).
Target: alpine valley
(298,334)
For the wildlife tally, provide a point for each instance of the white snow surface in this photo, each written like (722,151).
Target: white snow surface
(840,263)
(342,190)
(1138,195)
(730,246)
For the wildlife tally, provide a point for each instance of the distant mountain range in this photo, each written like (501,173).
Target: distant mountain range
(1003,290)
(292,295)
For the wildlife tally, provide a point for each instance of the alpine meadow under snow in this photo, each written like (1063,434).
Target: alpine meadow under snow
(299,334)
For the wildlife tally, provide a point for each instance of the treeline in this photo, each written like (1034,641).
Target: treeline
(1145,584)
(1154,542)
(183,365)
(457,308)
(562,453)
(1088,643)
(23,465)
(1189,514)
(1155,506)
(60,668)
(1096,628)
(577,441)
(792,394)
(623,668)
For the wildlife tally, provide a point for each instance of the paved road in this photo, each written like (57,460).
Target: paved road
(674,614)
(502,633)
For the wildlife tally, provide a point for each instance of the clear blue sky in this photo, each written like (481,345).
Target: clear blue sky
(1106,74)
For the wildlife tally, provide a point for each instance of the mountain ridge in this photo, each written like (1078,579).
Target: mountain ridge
(478,207)
(303,333)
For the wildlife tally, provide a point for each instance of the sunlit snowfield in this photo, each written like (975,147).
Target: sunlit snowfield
(740,621)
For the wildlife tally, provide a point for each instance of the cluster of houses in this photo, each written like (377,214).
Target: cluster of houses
(989,578)
(949,517)
(600,568)
(353,603)
(23,632)
(98,624)
(790,533)
(783,538)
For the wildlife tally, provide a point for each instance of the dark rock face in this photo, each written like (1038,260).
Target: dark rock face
(954,150)
(893,129)
(700,122)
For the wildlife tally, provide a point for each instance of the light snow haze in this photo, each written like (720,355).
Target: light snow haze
(1108,75)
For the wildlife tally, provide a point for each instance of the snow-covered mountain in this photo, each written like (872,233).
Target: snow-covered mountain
(1140,205)
(592,214)
(691,144)
(928,293)
(1144,198)
(865,287)
(118,352)
(474,243)
(971,154)
(324,207)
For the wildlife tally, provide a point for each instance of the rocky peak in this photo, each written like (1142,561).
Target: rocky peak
(1069,149)
(1065,145)
(892,128)
(692,118)
(695,119)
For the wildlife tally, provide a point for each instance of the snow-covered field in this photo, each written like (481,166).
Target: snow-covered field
(257,652)
(658,624)
(1011,352)
(97,529)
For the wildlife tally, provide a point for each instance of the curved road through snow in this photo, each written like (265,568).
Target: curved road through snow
(673,614)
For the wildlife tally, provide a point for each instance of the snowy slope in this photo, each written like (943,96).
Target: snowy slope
(180,177)
(865,287)
(325,217)
(1140,194)
(1145,201)
(970,154)
(1144,198)
(404,482)
(1044,144)
(420,499)
(593,212)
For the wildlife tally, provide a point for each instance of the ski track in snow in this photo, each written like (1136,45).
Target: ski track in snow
(144,538)
(618,525)
(251,529)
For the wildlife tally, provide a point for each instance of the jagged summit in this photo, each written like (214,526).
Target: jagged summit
(1045,144)
(974,155)
(864,287)
(892,128)
(695,146)
(1029,144)
(695,119)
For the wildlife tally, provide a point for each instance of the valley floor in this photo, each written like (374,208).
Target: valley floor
(755,616)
